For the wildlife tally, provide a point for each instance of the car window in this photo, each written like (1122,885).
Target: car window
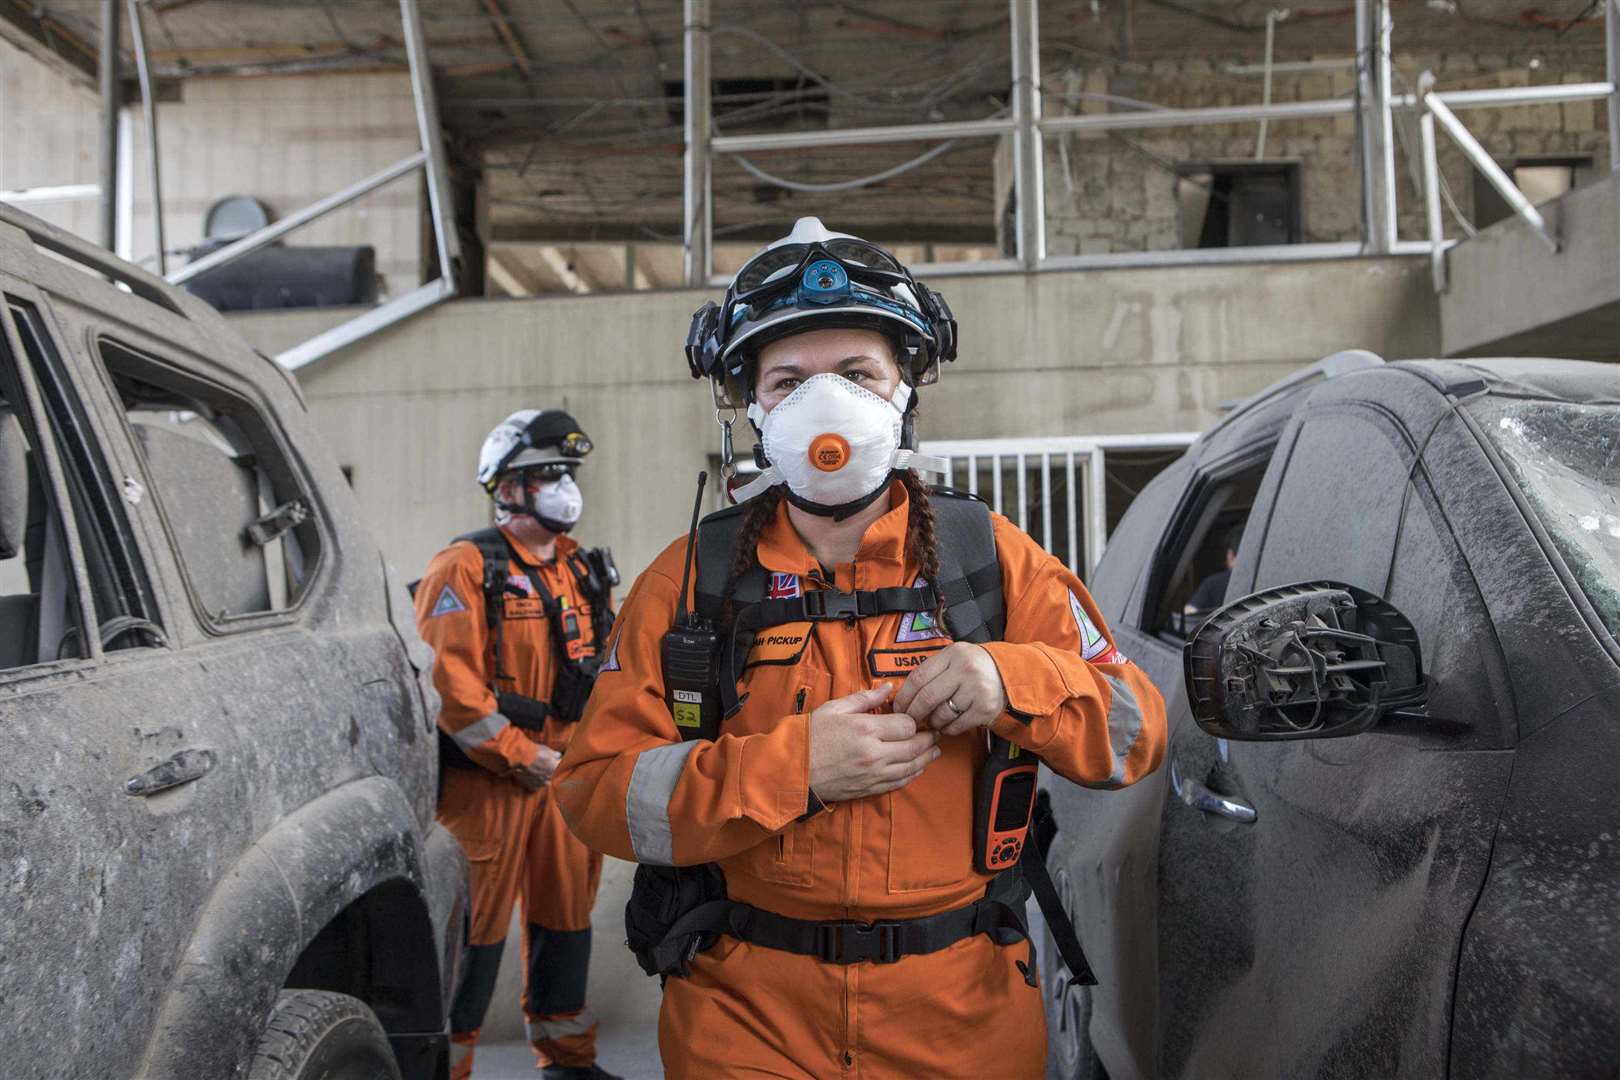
(39,609)
(1431,584)
(1565,459)
(230,499)
(1191,569)
(1338,506)
(120,597)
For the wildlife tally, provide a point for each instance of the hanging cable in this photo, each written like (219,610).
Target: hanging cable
(842,185)
(1273,17)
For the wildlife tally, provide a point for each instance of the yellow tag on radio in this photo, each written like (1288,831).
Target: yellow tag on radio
(687,714)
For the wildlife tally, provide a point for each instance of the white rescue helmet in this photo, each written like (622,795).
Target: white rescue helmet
(530,438)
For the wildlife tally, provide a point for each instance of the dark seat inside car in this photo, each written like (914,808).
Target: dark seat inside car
(22,528)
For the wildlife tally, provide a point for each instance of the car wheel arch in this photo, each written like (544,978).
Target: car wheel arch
(357,841)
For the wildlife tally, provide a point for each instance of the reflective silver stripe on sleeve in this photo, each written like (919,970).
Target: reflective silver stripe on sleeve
(480,731)
(646,805)
(559,1027)
(1124,725)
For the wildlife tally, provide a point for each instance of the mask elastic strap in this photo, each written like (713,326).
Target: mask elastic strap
(758,485)
(919,462)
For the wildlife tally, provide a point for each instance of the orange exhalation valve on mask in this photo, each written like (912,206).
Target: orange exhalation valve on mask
(829,452)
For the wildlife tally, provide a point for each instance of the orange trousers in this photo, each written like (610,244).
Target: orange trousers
(964,1013)
(518,845)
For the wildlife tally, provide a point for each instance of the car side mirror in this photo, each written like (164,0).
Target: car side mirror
(1309,661)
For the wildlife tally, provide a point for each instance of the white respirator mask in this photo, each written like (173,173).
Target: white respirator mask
(834,444)
(559,504)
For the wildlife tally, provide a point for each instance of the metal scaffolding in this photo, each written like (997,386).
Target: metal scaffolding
(1025,125)
(1374,107)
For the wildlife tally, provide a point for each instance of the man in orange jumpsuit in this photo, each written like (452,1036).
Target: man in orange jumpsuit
(513,614)
(839,785)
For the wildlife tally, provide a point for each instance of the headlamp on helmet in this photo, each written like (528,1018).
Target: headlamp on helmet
(547,439)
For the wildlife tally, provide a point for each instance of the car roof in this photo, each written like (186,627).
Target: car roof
(1582,381)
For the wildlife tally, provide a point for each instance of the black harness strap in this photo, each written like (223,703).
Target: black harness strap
(1000,913)
(975,611)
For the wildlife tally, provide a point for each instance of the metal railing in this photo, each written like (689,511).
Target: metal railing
(1059,483)
(429,158)
(1374,103)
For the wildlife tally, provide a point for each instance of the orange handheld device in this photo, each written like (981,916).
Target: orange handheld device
(1003,804)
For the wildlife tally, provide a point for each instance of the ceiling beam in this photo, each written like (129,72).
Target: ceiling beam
(503,29)
(514,232)
(505,276)
(558,265)
(49,41)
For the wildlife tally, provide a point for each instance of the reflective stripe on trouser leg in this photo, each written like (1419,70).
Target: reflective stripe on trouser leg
(557,1023)
(480,966)
(569,1041)
(461,1055)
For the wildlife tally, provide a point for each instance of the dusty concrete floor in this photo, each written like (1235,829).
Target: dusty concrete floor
(631,1053)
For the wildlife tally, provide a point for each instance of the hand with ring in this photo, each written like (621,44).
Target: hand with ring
(956,690)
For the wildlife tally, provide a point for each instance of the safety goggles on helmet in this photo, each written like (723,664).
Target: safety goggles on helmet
(550,472)
(839,281)
(859,260)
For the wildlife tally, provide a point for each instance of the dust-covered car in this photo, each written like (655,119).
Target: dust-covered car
(1386,839)
(218,854)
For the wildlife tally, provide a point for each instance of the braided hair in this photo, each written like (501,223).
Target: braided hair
(746,553)
(922,546)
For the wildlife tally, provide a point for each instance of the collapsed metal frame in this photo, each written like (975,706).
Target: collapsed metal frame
(429,157)
(1374,106)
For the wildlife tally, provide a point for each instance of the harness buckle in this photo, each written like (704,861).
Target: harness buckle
(852,942)
(823,604)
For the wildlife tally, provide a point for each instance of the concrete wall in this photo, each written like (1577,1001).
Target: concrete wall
(1117,191)
(286,141)
(48,138)
(1047,354)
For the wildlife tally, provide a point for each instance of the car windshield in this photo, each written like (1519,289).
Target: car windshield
(1565,457)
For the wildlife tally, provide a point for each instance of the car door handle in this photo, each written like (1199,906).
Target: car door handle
(1200,798)
(182,768)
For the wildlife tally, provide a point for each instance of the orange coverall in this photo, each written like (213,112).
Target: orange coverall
(630,787)
(516,841)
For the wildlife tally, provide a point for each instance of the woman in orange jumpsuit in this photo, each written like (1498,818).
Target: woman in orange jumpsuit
(842,785)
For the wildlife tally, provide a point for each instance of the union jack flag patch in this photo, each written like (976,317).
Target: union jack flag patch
(783,587)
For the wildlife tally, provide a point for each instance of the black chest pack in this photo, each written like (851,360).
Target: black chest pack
(595,575)
(674,912)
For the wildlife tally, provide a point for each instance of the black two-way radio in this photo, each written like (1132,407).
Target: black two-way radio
(691,653)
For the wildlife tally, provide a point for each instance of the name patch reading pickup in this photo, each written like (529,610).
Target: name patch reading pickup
(889,663)
(779,645)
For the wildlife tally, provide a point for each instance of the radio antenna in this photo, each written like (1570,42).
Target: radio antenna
(681,617)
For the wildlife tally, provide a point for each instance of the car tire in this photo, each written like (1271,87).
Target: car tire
(316,1035)
(1069,1053)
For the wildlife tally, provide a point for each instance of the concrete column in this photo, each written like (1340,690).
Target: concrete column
(1373,26)
(697,203)
(1028,180)
(109,123)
